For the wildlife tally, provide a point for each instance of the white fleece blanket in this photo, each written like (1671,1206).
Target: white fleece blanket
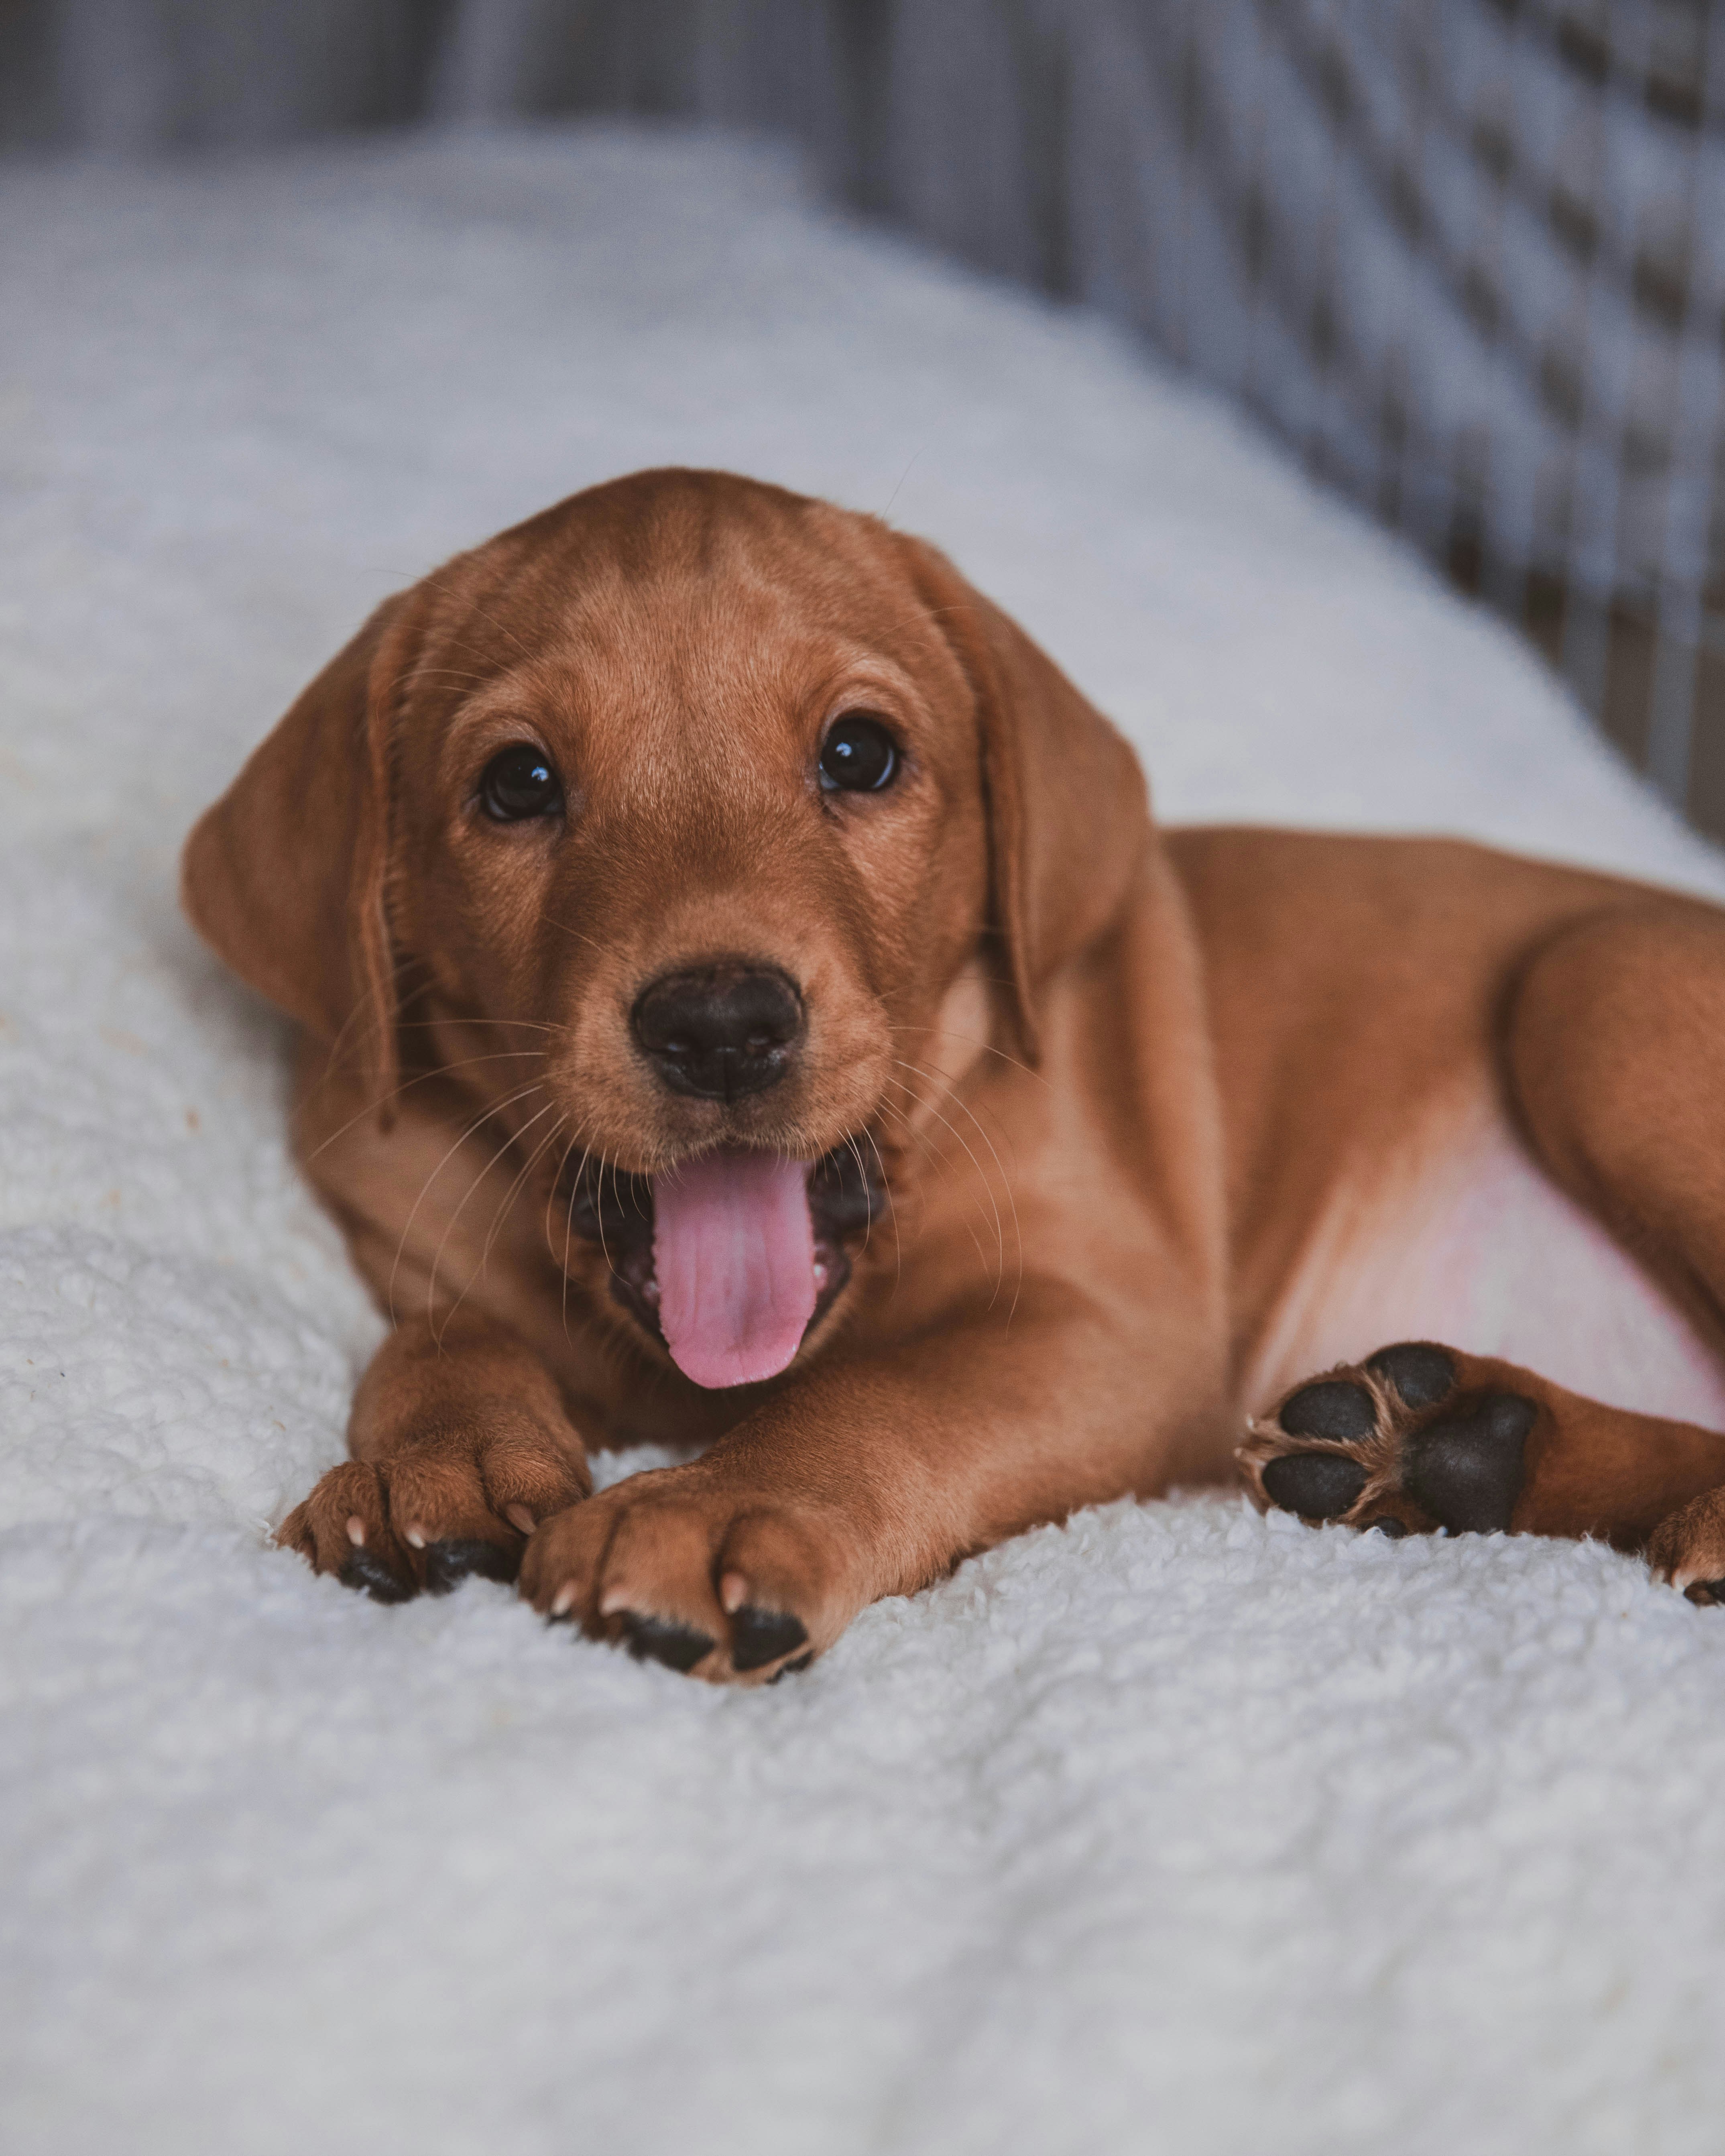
(1173,1830)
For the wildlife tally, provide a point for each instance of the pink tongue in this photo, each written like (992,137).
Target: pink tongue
(734,1251)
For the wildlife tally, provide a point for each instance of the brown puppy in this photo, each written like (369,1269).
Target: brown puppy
(745,999)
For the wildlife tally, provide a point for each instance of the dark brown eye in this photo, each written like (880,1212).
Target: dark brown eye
(519,782)
(858,755)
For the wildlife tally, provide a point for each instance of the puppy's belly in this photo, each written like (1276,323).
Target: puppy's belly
(1469,1243)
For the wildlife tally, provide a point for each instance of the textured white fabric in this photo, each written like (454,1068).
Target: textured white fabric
(1174,1830)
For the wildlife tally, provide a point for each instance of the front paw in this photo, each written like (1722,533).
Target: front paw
(435,1512)
(681,1566)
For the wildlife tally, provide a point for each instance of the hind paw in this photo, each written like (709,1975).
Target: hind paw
(1415,1439)
(1689,1549)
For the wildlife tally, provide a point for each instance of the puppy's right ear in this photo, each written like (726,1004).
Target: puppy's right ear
(1069,819)
(285,877)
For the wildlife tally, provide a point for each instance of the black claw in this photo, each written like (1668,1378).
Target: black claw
(1467,1471)
(371,1576)
(759,1636)
(1318,1486)
(1420,1372)
(448,1563)
(791,1669)
(1334,1407)
(1390,1526)
(659,1639)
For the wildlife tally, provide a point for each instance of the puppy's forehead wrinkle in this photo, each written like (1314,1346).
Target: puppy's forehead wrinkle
(701,523)
(677,564)
(646,519)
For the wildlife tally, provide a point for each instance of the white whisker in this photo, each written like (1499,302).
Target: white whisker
(1005,1179)
(959,1136)
(449,1224)
(538,1086)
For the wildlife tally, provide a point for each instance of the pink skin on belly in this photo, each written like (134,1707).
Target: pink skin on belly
(1468,1243)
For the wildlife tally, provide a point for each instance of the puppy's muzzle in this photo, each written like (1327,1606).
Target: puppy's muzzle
(721,1032)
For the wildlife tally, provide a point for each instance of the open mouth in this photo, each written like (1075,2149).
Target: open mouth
(728,1260)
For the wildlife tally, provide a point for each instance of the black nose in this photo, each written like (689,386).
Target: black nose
(721,1031)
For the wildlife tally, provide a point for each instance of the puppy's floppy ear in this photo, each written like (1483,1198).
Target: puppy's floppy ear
(285,877)
(1067,806)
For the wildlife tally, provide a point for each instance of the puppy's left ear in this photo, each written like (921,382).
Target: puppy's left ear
(285,877)
(1069,813)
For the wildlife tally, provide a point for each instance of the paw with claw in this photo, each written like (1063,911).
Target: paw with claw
(686,1566)
(429,1515)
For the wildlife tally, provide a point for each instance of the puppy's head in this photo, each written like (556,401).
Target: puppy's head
(694,797)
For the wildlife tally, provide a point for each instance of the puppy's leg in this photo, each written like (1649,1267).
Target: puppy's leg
(1614,1042)
(460,1446)
(871,1477)
(1614,1055)
(1420,1437)
(1616,1046)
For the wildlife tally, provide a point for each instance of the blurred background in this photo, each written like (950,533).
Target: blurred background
(1465,258)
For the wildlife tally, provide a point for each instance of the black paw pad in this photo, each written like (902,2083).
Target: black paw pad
(371,1576)
(658,1640)
(1704,1593)
(1317,1485)
(448,1563)
(1390,1526)
(1334,1407)
(1467,1471)
(1421,1373)
(759,1636)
